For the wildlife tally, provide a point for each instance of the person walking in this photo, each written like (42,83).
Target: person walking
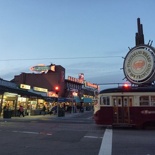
(74,108)
(0,110)
(44,110)
(54,109)
(82,107)
(21,111)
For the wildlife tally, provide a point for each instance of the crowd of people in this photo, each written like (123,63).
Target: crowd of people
(50,108)
(67,107)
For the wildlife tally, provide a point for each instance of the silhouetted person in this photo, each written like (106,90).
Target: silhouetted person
(21,111)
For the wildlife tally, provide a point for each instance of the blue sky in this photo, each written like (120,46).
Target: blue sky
(61,31)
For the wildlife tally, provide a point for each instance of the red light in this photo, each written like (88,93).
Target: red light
(126,85)
(56,88)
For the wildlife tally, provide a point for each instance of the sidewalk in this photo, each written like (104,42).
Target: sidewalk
(43,117)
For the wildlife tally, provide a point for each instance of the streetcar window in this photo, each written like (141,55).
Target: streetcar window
(104,101)
(108,101)
(130,102)
(114,102)
(125,102)
(153,100)
(101,100)
(119,101)
(144,100)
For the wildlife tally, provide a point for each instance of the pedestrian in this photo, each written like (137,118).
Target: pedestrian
(74,108)
(51,109)
(0,109)
(21,111)
(29,109)
(44,110)
(82,107)
(54,109)
(4,108)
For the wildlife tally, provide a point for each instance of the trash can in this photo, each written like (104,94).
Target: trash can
(81,109)
(87,108)
(61,112)
(7,113)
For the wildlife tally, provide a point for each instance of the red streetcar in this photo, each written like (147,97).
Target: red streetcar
(133,106)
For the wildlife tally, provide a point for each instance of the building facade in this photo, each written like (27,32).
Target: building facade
(48,80)
(70,89)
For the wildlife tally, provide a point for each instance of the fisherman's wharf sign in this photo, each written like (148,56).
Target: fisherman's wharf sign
(139,65)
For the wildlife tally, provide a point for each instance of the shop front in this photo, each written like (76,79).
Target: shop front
(87,103)
(11,97)
(12,101)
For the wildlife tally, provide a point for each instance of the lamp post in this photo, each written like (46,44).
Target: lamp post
(56,88)
(74,106)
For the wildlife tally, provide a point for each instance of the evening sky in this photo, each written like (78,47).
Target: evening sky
(83,36)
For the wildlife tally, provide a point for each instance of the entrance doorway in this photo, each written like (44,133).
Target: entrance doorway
(121,109)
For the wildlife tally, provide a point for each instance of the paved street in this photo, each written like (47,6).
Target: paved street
(39,135)
(74,134)
(133,142)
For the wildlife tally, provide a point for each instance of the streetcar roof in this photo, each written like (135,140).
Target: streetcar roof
(130,89)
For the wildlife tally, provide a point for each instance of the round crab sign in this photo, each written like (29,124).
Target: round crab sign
(139,65)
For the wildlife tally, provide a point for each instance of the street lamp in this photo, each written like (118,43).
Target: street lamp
(57,89)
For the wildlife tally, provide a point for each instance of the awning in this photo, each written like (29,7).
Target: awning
(77,99)
(20,92)
(87,100)
(50,99)
(66,100)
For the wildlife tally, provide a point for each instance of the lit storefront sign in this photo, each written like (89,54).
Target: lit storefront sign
(74,79)
(40,89)
(91,85)
(24,86)
(75,93)
(73,86)
(52,94)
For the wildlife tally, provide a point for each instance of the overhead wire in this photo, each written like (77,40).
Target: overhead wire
(98,57)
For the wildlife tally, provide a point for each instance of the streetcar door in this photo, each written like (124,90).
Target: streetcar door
(121,111)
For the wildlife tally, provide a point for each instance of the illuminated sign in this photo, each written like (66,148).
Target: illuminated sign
(40,89)
(139,65)
(75,79)
(42,68)
(52,94)
(24,86)
(75,93)
(92,85)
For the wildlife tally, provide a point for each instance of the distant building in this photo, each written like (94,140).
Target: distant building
(76,89)
(48,80)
